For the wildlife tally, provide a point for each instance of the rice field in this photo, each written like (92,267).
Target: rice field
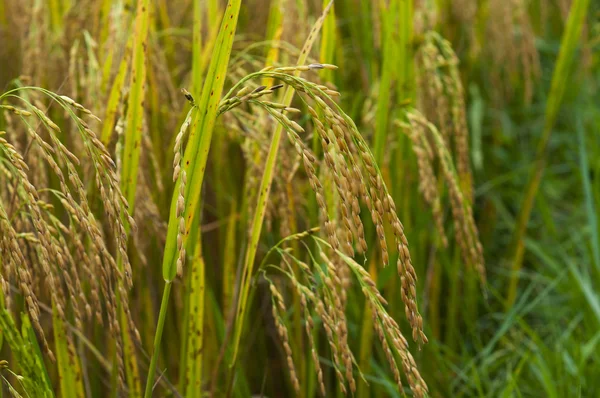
(308,198)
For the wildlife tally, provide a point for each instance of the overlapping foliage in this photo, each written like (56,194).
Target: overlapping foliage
(279,156)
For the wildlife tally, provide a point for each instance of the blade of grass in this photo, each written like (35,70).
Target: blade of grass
(560,79)
(195,329)
(71,384)
(105,25)
(229,259)
(587,190)
(29,334)
(135,105)
(197,49)
(366,338)
(388,74)
(131,158)
(114,97)
(55,15)
(192,338)
(162,10)
(328,41)
(214,13)
(274,32)
(194,164)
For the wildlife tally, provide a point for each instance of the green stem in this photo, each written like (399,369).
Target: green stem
(261,206)
(194,164)
(560,79)
(157,338)
(587,190)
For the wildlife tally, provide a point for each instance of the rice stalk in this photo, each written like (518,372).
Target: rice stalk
(195,328)
(560,79)
(421,133)
(515,54)
(355,175)
(274,34)
(116,94)
(71,382)
(321,331)
(60,270)
(444,103)
(328,41)
(197,70)
(134,120)
(194,164)
(264,189)
(325,300)
(135,106)
(589,196)
(366,338)
(229,258)
(389,68)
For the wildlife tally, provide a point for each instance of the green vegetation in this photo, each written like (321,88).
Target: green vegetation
(369,198)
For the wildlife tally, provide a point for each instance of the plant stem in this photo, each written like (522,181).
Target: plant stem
(560,79)
(157,338)
(587,190)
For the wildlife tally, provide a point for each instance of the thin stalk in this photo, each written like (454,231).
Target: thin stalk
(452,310)
(131,159)
(114,97)
(135,108)
(388,75)
(55,15)
(192,352)
(274,31)
(229,259)
(69,370)
(587,190)
(194,165)
(406,92)
(366,337)
(434,293)
(328,42)
(157,338)
(297,316)
(560,78)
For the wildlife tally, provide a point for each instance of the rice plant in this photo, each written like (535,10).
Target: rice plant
(299,198)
